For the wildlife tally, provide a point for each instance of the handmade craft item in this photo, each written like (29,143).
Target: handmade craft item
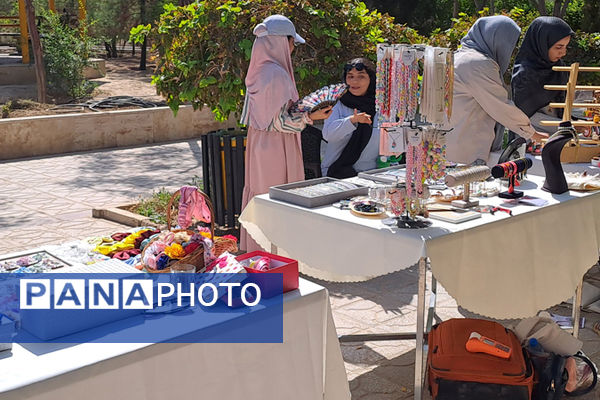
(40,261)
(184,246)
(509,170)
(321,98)
(464,178)
(582,181)
(438,83)
(366,208)
(391,139)
(434,146)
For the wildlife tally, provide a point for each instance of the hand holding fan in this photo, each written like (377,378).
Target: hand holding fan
(321,98)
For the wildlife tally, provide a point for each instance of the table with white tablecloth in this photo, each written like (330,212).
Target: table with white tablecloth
(537,167)
(497,265)
(307,365)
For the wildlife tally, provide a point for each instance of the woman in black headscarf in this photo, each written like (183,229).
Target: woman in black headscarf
(351,131)
(544,45)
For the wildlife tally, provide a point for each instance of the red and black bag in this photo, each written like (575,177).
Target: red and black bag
(457,374)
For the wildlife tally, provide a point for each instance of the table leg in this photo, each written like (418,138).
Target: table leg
(420,329)
(576,313)
(432,299)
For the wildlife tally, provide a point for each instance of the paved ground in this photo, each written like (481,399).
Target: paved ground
(49,200)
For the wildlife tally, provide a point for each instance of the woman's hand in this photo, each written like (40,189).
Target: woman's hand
(360,118)
(538,136)
(323,113)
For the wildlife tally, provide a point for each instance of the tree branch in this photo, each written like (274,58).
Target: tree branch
(540,5)
(563,10)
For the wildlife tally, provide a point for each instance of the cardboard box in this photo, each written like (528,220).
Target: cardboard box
(279,265)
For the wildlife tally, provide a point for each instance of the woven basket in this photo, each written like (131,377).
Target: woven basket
(196,257)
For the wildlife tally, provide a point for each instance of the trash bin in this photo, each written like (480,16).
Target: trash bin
(223,173)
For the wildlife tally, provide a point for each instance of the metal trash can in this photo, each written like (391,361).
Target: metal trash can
(223,173)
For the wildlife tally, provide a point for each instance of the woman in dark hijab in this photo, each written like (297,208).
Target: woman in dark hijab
(544,45)
(351,131)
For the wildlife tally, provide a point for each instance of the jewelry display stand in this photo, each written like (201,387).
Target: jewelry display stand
(465,177)
(582,150)
(555,181)
(510,170)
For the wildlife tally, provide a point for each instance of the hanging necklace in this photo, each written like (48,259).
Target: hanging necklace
(395,136)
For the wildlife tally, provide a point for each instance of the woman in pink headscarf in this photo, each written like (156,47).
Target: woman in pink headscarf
(273,150)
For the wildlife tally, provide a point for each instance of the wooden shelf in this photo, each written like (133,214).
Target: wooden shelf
(581,69)
(564,87)
(575,105)
(574,123)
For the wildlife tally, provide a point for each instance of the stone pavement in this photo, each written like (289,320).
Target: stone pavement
(49,200)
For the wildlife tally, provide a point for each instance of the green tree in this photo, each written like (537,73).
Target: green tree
(66,52)
(112,20)
(591,16)
(204,48)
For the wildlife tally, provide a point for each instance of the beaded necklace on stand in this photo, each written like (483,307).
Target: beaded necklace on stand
(415,165)
(449,84)
(434,146)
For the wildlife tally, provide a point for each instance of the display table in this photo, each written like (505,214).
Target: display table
(538,167)
(308,365)
(497,265)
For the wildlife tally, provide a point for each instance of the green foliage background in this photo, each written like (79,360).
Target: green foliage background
(204,48)
(66,52)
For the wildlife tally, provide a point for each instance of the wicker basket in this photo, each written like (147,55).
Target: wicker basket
(196,257)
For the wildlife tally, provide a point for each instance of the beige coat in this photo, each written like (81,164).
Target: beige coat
(480,99)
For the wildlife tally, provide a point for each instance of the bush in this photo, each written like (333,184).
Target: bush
(585,49)
(204,48)
(66,52)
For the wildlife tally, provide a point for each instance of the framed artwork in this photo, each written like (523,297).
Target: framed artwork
(37,261)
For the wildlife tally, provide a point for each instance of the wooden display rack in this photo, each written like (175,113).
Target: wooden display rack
(584,149)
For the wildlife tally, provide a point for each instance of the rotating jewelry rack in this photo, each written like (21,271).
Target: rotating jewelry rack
(408,108)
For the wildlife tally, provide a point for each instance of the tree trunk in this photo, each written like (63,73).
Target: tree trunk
(478,4)
(143,49)
(455,9)
(113,48)
(492,7)
(591,16)
(40,73)
(563,9)
(540,5)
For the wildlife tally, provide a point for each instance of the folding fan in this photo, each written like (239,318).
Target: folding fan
(321,98)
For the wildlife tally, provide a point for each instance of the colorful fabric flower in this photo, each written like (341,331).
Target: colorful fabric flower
(230,237)
(191,247)
(175,251)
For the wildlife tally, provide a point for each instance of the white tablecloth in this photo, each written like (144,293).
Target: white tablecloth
(499,266)
(308,365)
(538,167)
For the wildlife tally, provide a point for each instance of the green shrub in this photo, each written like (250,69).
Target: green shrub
(204,48)
(585,49)
(66,52)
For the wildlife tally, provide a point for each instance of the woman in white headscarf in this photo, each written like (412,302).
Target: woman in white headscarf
(480,96)
(273,148)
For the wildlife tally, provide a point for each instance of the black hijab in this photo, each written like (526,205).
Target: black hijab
(343,166)
(533,68)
